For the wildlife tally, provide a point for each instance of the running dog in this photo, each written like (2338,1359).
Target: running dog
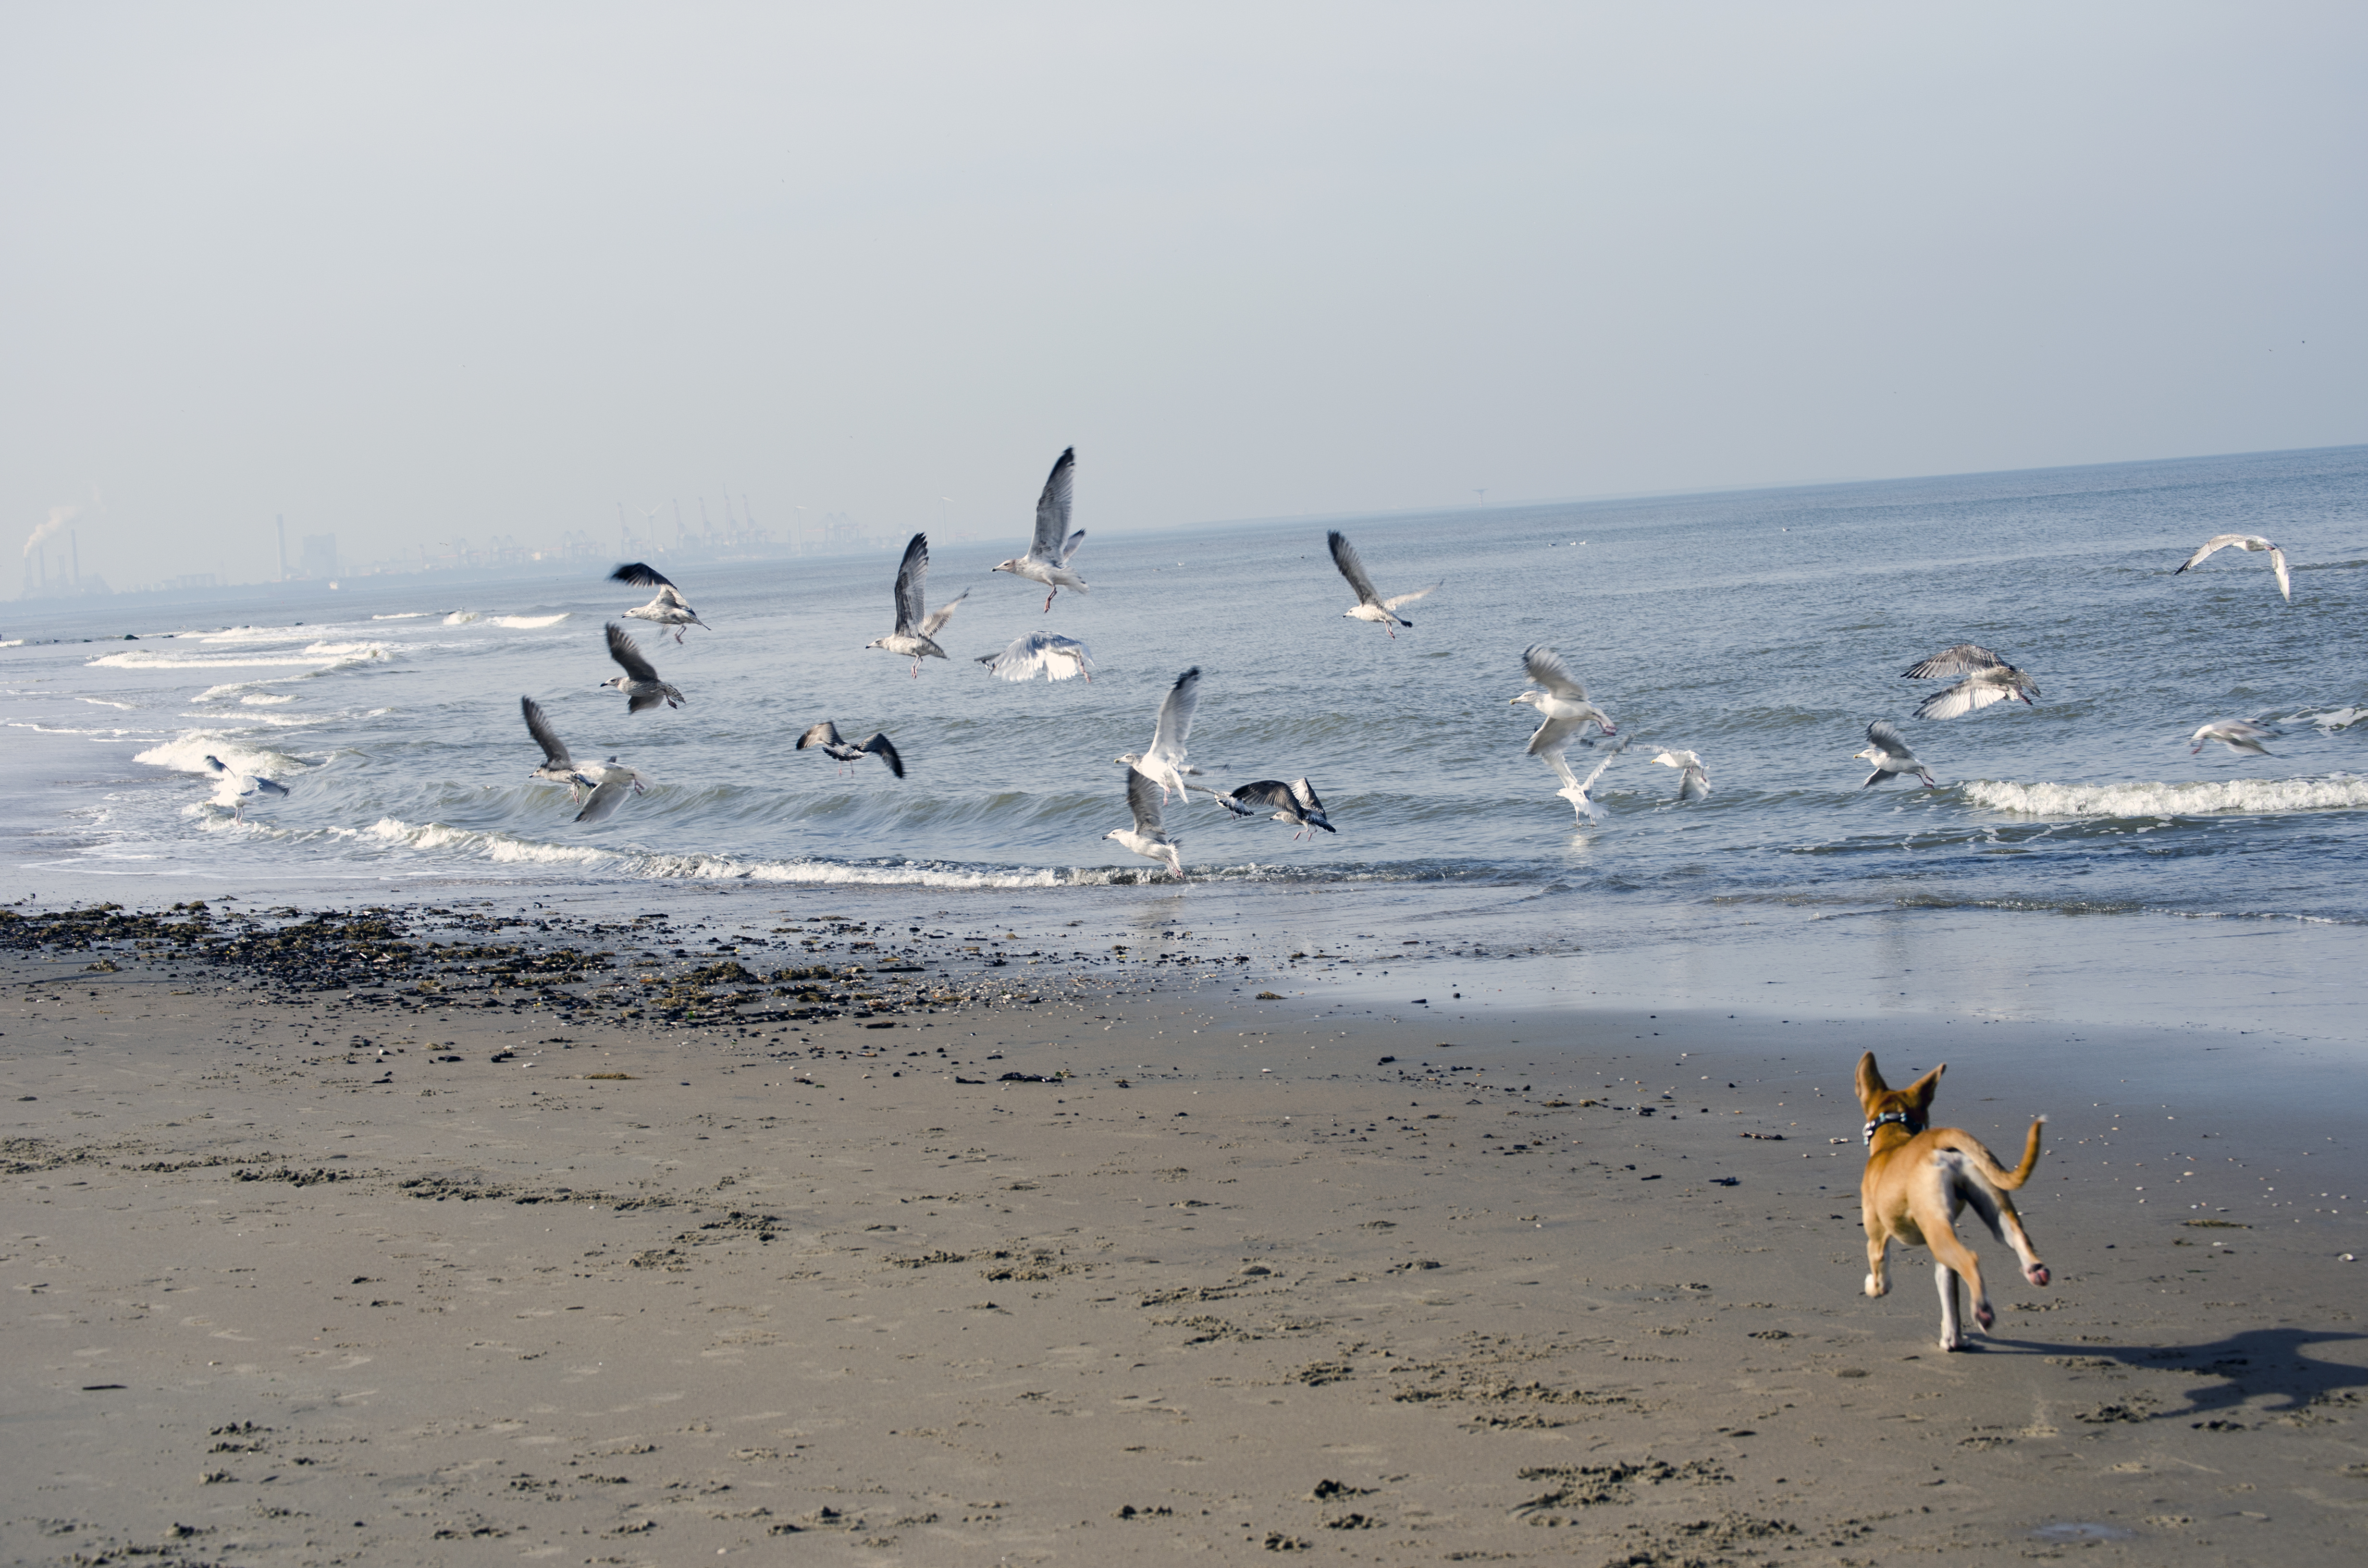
(1918,1177)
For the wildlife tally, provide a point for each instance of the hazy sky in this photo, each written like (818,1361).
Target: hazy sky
(411,272)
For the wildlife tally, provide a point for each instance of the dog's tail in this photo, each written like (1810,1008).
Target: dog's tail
(2022,1173)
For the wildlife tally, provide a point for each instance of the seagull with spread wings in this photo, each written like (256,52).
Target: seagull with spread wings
(1148,837)
(1370,606)
(825,735)
(613,784)
(1988,679)
(558,767)
(1564,705)
(1694,782)
(244,787)
(669,608)
(1886,748)
(2236,734)
(640,682)
(1162,761)
(916,634)
(1059,657)
(2246,541)
(1047,561)
(1294,802)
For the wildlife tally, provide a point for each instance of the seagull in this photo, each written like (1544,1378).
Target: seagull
(2236,734)
(558,767)
(245,786)
(670,608)
(1693,784)
(1888,749)
(640,682)
(1575,791)
(915,632)
(1148,837)
(1564,704)
(2247,541)
(825,735)
(1370,606)
(1988,679)
(1047,561)
(612,782)
(1294,802)
(1162,761)
(1059,657)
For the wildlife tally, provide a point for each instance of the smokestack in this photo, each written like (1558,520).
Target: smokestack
(74,546)
(283,547)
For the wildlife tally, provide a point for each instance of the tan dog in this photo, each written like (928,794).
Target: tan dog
(1918,1178)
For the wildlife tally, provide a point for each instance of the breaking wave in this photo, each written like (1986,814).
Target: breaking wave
(2249,797)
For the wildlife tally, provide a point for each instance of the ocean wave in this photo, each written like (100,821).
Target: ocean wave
(2334,719)
(496,847)
(2251,797)
(187,753)
(514,622)
(405,615)
(263,696)
(326,656)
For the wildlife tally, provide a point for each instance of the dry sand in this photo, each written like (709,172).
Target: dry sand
(603,1294)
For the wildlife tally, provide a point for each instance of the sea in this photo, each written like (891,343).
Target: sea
(2077,860)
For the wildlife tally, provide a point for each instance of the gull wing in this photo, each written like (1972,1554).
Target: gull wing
(605,801)
(628,654)
(1309,806)
(1964,659)
(1885,737)
(1053,510)
(1965,697)
(1271,793)
(670,596)
(1546,668)
(1409,598)
(1142,799)
(1071,547)
(1229,801)
(879,745)
(1064,658)
(269,786)
(822,734)
(1016,663)
(1549,739)
(909,573)
(2217,542)
(943,613)
(642,700)
(2278,565)
(555,750)
(1176,715)
(640,576)
(1344,556)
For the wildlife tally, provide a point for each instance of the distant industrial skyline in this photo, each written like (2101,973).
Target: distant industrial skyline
(416,277)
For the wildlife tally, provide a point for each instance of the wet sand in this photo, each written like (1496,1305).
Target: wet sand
(299,1278)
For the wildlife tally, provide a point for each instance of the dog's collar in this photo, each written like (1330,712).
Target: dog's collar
(1901,1117)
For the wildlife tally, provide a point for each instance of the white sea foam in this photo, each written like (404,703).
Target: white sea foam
(495,846)
(325,656)
(2334,719)
(187,753)
(514,622)
(260,697)
(726,867)
(2250,797)
(102,702)
(405,615)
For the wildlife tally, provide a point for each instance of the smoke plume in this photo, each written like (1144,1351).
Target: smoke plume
(59,517)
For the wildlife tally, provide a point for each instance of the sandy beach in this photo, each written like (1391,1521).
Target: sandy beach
(350,1279)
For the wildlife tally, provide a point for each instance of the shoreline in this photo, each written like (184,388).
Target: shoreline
(1233,1284)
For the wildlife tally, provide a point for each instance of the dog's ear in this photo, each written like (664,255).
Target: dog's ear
(1870,1080)
(1920,1093)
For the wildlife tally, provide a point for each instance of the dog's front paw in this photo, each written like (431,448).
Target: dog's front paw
(1875,1287)
(1952,1341)
(2036,1274)
(1983,1315)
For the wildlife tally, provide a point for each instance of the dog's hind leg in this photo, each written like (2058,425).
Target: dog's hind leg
(1998,1212)
(1953,1336)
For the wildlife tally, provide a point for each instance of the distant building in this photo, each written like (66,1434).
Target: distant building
(319,556)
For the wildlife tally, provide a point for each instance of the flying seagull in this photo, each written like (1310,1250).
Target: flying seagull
(1888,749)
(1370,606)
(558,767)
(245,786)
(611,783)
(1057,656)
(825,735)
(1047,561)
(2247,541)
(1294,802)
(669,608)
(1693,784)
(1988,679)
(1147,839)
(915,633)
(640,682)
(2236,734)
(1162,761)
(1563,703)
(1575,791)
